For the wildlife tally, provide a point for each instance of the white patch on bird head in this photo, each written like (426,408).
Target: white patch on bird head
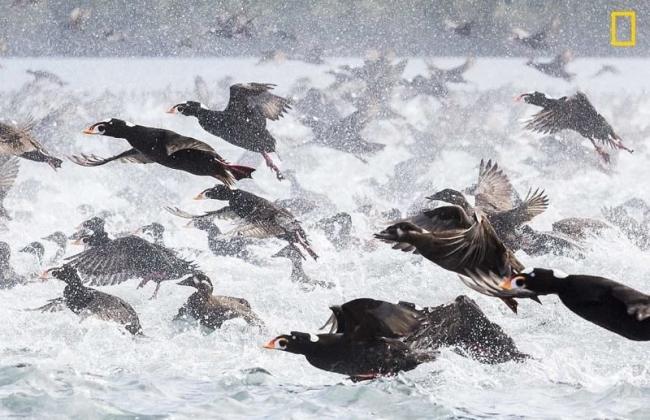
(313,338)
(559,274)
(196,281)
(129,124)
(400,232)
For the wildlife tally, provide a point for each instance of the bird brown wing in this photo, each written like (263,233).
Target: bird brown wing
(254,99)
(441,219)
(494,190)
(185,143)
(533,205)
(131,155)
(224,213)
(125,258)
(8,171)
(552,119)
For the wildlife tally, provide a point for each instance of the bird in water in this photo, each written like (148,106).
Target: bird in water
(166,148)
(87,302)
(599,300)
(555,67)
(61,241)
(218,243)
(259,217)
(8,174)
(572,113)
(344,135)
(154,231)
(365,342)
(18,140)
(298,274)
(452,75)
(8,276)
(455,241)
(112,261)
(243,122)
(210,310)
(498,200)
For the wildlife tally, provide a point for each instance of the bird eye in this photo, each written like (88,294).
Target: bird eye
(519,283)
(180,109)
(283,344)
(101,128)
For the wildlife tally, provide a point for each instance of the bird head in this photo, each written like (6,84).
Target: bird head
(64,273)
(295,342)
(199,281)
(218,192)
(536,280)
(450,196)
(113,128)
(533,98)
(189,108)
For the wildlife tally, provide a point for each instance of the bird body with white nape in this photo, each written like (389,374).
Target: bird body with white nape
(243,122)
(601,301)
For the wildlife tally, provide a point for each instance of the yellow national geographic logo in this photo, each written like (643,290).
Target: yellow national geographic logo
(613,38)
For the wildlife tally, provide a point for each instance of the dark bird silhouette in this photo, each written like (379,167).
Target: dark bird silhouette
(260,218)
(344,135)
(243,122)
(46,75)
(463,28)
(455,241)
(452,75)
(61,241)
(210,310)
(8,276)
(573,113)
(8,173)
(166,148)
(364,343)
(555,67)
(113,261)
(85,301)
(604,302)
(218,243)
(19,141)
(537,40)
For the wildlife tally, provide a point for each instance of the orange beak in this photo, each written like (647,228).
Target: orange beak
(200,196)
(518,98)
(172,110)
(270,345)
(76,242)
(91,129)
(45,275)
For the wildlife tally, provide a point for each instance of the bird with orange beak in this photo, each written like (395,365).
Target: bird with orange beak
(601,301)
(243,122)
(166,148)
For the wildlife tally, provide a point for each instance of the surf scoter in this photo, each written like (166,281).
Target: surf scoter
(155,231)
(462,28)
(637,229)
(452,75)
(537,40)
(572,113)
(210,310)
(604,302)
(555,67)
(243,122)
(166,148)
(260,217)
(36,249)
(8,276)
(8,174)
(344,135)
(61,241)
(218,243)
(85,301)
(19,141)
(455,241)
(113,261)
(364,343)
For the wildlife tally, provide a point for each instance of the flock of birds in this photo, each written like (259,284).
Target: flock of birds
(367,337)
